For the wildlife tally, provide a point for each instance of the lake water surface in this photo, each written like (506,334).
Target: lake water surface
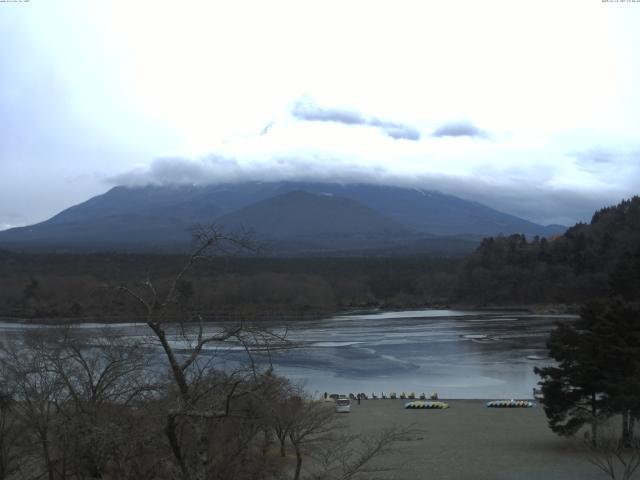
(457,353)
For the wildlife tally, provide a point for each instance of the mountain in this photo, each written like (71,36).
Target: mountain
(431,211)
(294,217)
(300,213)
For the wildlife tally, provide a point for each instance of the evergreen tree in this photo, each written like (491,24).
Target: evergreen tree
(598,371)
(618,327)
(572,390)
(624,280)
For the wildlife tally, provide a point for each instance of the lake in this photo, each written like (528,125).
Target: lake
(456,353)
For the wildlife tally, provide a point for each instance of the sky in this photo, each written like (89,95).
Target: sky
(532,108)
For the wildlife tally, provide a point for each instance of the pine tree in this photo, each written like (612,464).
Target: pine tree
(598,371)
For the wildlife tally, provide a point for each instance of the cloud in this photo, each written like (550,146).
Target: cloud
(613,167)
(216,169)
(308,111)
(179,170)
(459,129)
(595,159)
(539,202)
(597,155)
(396,130)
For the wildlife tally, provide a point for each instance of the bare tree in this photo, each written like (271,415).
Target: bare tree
(74,397)
(10,436)
(208,401)
(37,391)
(316,432)
(103,376)
(346,457)
(281,410)
(202,395)
(617,458)
(310,421)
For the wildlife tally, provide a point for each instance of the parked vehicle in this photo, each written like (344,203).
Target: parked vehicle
(343,405)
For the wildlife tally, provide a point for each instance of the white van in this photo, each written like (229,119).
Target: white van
(343,405)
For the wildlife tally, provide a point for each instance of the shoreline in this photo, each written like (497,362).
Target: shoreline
(538,309)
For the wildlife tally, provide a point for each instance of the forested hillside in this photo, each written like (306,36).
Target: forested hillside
(58,286)
(587,262)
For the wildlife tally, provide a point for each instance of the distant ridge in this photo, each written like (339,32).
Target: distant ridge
(300,213)
(294,217)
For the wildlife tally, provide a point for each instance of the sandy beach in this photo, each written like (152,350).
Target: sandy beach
(470,441)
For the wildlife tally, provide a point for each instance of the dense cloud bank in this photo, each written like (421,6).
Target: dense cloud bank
(532,201)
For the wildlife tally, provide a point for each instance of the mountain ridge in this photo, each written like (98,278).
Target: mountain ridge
(326,216)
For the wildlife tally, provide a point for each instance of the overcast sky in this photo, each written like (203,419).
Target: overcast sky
(530,107)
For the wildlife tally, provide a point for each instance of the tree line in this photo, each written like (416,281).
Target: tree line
(578,266)
(57,287)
